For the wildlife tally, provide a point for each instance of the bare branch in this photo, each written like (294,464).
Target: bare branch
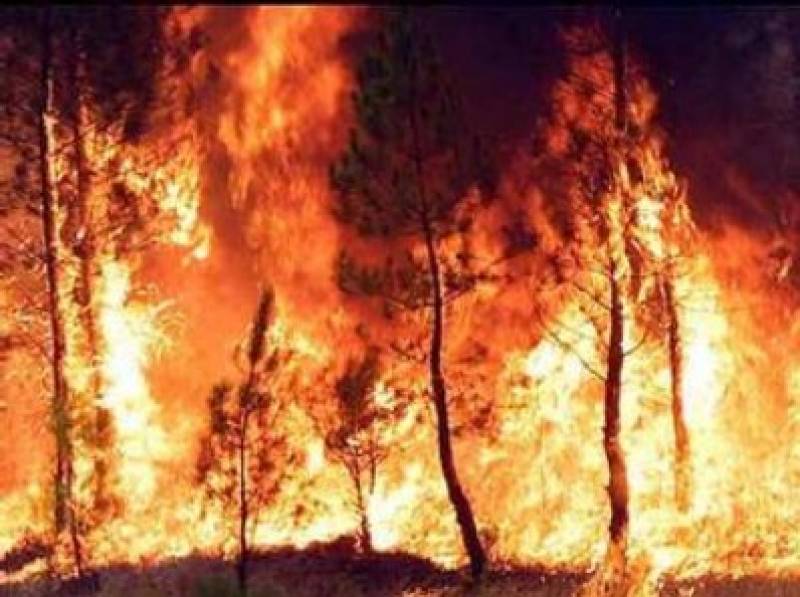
(567,346)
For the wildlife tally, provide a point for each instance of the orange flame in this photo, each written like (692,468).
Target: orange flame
(537,481)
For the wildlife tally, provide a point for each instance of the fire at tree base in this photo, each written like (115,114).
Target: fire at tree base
(531,373)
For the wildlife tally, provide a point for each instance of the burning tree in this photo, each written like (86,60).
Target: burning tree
(356,431)
(628,228)
(405,175)
(73,120)
(241,457)
(65,91)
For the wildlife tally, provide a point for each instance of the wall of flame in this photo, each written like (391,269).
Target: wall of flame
(249,199)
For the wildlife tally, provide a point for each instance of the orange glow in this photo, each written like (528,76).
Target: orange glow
(535,472)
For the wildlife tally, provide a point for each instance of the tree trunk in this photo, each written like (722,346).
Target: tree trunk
(245,404)
(64,507)
(243,511)
(365,535)
(617,474)
(464,515)
(682,452)
(461,505)
(84,250)
(618,481)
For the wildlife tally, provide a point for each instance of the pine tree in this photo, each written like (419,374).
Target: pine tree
(405,174)
(621,271)
(237,463)
(354,431)
(64,87)
(602,265)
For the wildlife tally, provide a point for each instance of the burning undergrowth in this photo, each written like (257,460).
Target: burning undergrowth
(622,387)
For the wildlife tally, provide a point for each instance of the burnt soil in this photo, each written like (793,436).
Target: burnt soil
(335,570)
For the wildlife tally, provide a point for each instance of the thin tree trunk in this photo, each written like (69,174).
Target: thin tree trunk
(618,481)
(65,515)
(85,251)
(242,564)
(464,515)
(245,398)
(366,534)
(682,450)
(365,538)
(617,473)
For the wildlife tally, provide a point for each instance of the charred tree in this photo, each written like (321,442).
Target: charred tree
(245,394)
(405,175)
(247,403)
(65,93)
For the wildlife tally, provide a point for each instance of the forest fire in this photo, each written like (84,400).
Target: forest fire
(270,300)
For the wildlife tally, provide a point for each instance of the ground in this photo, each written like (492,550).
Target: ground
(331,571)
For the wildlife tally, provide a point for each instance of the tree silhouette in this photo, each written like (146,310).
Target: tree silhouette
(355,431)
(240,453)
(405,175)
